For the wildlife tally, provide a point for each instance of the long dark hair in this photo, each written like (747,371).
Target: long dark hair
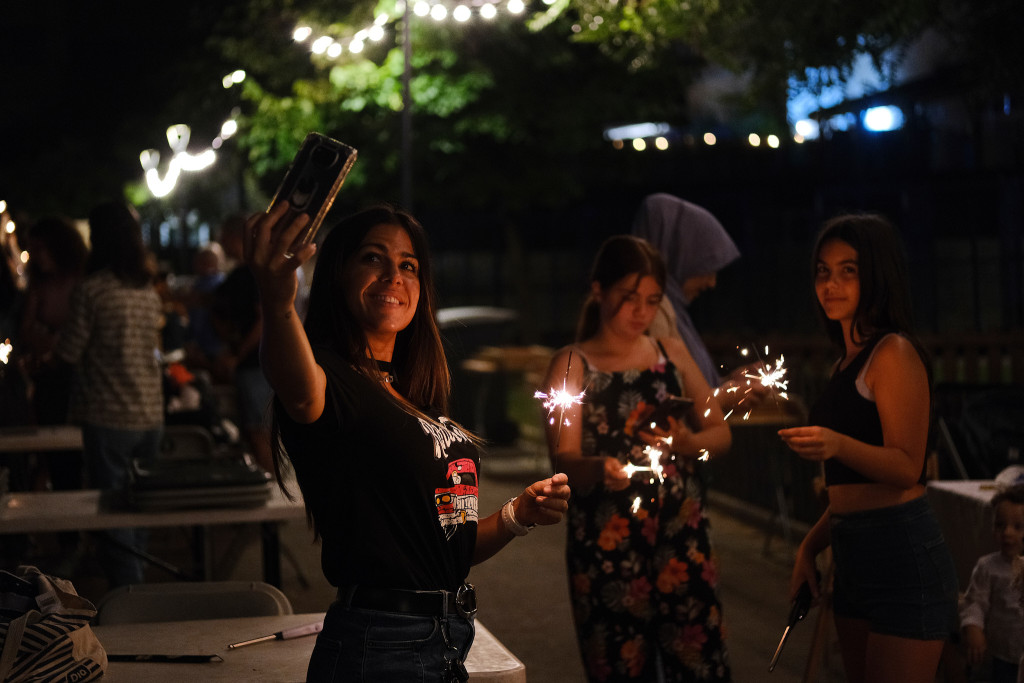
(419,363)
(116,239)
(65,245)
(619,256)
(884,304)
(421,370)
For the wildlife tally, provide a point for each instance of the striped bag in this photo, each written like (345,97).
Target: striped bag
(44,630)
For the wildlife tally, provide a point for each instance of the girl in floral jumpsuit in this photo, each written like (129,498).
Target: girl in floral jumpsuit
(641,569)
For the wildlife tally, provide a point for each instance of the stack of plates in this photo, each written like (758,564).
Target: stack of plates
(208,482)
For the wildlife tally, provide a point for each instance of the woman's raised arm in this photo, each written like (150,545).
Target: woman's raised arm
(285,354)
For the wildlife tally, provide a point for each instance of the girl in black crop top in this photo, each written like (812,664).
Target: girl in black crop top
(390,483)
(894,592)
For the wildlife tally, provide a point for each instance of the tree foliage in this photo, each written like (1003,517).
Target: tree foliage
(524,102)
(505,113)
(502,115)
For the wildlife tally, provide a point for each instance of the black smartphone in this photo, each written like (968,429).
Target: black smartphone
(674,406)
(313,180)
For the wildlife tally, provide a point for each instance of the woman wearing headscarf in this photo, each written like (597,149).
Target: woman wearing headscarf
(695,247)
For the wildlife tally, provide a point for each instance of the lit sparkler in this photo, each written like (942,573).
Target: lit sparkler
(5,351)
(654,456)
(561,400)
(772,377)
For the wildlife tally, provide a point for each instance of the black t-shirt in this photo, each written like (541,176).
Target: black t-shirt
(394,496)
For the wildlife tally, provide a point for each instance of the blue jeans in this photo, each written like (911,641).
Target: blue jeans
(108,454)
(368,646)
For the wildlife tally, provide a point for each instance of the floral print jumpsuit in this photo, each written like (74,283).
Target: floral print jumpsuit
(642,573)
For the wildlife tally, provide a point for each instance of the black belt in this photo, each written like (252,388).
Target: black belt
(423,603)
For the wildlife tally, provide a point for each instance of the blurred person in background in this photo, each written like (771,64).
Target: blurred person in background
(111,337)
(991,617)
(235,315)
(695,247)
(208,267)
(57,257)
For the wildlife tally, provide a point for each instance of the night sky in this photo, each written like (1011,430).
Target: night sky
(84,89)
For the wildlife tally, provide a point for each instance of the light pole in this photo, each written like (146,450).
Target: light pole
(406,184)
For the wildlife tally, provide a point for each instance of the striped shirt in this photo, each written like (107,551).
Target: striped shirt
(111,337)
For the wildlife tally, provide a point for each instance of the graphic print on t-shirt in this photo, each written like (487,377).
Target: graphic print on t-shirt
(457,503)
(444,433)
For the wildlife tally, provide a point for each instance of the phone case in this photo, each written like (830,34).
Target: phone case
(313,180)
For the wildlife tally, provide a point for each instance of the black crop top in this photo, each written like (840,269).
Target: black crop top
(841,408)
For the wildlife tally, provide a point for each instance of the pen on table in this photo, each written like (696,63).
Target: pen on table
(286,634)
(176,659)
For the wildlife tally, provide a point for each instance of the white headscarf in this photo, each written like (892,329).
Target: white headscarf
(692,242)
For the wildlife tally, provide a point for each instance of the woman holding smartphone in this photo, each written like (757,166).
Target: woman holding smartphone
(642,571)
(895,588)
(390,483)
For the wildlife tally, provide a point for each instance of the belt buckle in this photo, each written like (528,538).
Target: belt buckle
(465,599)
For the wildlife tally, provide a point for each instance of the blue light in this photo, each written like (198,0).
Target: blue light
(882,119)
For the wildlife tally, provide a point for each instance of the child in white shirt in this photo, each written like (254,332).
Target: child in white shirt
(991,618)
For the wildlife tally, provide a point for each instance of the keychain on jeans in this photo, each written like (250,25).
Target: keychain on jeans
(455,670)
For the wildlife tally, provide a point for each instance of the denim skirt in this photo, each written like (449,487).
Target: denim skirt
(894,570)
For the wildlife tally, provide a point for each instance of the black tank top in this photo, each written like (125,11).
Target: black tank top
(841,408)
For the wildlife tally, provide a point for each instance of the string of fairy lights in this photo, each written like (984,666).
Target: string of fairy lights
(639,137)
(333,48)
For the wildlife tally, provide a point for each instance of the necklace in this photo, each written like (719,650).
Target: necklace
(389,373)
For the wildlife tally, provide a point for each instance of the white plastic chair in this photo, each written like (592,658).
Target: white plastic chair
(187,600)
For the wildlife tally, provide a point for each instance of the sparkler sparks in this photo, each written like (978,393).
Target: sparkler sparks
(5,351)
(772,378)
(654,456)
(561,400)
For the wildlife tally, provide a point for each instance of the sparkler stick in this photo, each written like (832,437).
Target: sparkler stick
(561,400)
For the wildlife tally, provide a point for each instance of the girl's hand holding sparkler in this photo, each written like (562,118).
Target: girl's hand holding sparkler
(543,502)
(678,439)
(812,443)
(616,478)
(740,389)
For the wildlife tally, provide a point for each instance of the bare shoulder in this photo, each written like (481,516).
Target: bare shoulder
(896,348)
(896,358)
(566,361)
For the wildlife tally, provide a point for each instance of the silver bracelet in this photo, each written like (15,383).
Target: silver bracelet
(508,516)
